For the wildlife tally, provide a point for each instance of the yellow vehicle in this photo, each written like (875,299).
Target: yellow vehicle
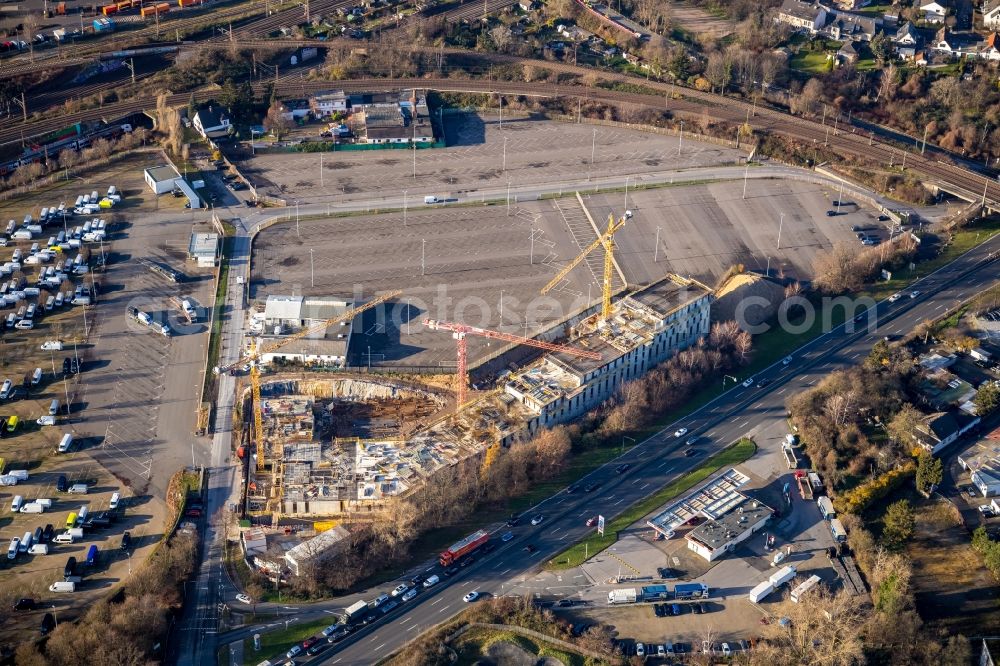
(71,520)
(12,423)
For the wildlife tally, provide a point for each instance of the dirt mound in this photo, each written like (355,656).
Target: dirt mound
(747,298)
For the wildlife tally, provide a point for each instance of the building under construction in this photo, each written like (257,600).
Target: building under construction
(317,468)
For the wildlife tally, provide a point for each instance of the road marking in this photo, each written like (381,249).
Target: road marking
(440,611)
(757,406)
(637,481)
(504,572)
(644,487)
(745,424)
(380,646)
(856,355)
(710,434)
(618,502)
(582,513)
(435,601)
(783,389)
(406,619)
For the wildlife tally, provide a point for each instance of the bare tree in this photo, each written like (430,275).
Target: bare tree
(501,36)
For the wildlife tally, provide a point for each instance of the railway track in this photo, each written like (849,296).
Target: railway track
(935,163)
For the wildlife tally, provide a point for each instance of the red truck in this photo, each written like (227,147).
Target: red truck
(805,485)
(462,548)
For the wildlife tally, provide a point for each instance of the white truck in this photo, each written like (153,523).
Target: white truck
(761,591)
(782,576)
(826,507)
(627,595)
(62,586)
(838,531)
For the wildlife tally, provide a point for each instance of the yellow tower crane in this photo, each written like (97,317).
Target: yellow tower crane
(607,239)
(253,357)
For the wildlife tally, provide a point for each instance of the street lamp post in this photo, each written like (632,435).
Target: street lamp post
(297,219)
(680,144)
(593,148)
(505,154)
(404,208)
(656,245)
(312,272)
(781,222)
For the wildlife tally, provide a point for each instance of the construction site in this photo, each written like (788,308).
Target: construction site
(340,445)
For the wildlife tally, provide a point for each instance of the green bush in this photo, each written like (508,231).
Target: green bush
(859,498)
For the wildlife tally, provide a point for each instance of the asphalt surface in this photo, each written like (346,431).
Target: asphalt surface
(655,462)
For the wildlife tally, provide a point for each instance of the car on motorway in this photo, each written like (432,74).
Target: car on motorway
(309,642)
(319,647)
(690,452)
(748,383)
(466,561)
(591,521)
(914,293)
(692,441)
(329,630)
(530,548)
(400,589)
(786,361)
(895,297)
(409,594)
(763,382)
(590,487)
(432,581)
(512,521)
(507,536)
(470,597)
(451,571)
(339,634)
(244,599)
(621,469)
(861,317)
(537,520)
(418,579)
(294,652)
(573,489)
(680,432)
(389,607)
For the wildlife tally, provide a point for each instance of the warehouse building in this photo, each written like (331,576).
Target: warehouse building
(646,328)
(285,315)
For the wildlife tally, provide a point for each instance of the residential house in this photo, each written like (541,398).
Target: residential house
(937,431)
(574,33)
(211,122)
(990,49)
(847,53)
(852,5)
(954,45)
(987,478)
(907,41)
(807,16)
(935,11)
(938,11)
(327,104)
(991,15)
(295,109)
(845,27)
(942,390)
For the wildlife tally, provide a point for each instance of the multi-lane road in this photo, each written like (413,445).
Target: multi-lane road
(654,462)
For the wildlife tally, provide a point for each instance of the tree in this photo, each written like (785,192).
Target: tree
(930,472)
(987,399)
(898,524)
(903,424)
(719,70)
(807,102)
(501,36)
(878,357)
(881,47)
(678,65)
(276,122)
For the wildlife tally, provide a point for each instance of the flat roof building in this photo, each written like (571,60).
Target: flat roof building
(317,549)
(730,515)
(284,315)
(203,248)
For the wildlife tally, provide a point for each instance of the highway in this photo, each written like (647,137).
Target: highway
(654,462)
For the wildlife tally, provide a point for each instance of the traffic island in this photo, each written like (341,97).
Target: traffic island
(736,453)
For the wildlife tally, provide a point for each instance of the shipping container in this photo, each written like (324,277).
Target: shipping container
(108,10)
(782,576)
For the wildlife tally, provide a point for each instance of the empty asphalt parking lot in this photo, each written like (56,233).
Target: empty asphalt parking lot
(537,152)
(458,263)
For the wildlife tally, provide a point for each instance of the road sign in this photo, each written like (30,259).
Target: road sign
(600,525)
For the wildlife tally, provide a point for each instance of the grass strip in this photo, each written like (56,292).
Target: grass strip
(277,643)
(594,543)
(215,338)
